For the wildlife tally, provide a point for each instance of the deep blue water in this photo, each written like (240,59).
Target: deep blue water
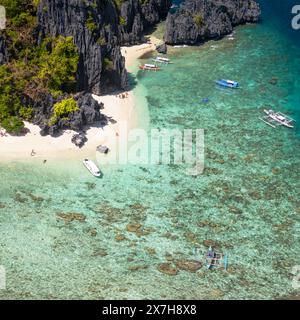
(278,14)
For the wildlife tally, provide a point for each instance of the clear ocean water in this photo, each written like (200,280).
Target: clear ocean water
(137,217)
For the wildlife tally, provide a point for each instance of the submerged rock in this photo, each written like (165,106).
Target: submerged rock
(72,216)
(133,227)
(209,243)
(190,236)
(168,269)
(188,265)
(18,197)
(100,253)
(137,267)
(93,232)
(273,81)
(120,237)
(216,293)
(151,251)
(2,205)
(90,185)
(235,210)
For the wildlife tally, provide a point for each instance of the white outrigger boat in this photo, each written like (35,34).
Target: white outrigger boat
(91,166)
(162,60)
(149,67)
(275,119)
(181,46)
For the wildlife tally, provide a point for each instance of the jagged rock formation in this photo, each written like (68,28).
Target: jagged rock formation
(138,15)
(79,139)
(94,27)
(89,114)
(99,28)
(163,48)
(199,20)
(3,50)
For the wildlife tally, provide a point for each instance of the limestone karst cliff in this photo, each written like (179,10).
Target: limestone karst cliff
(199,20)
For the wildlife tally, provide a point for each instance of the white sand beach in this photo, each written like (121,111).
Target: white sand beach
(119,109)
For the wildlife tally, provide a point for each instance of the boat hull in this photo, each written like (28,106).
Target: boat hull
(92,168)
(228,84)
(148,68)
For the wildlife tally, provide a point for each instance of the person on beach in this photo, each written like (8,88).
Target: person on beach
(33,153)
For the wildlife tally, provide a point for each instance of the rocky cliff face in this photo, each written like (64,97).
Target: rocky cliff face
(94,27)
(89,113)
(99,27)
(138,15)
(199,20)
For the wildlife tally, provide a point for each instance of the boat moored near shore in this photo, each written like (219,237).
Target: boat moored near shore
(149,67)
(162,60)
(92,167)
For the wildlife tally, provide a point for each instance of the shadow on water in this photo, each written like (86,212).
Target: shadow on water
(132,81)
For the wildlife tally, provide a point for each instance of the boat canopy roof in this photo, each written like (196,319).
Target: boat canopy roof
(162,58)
(150,65)
(92,165)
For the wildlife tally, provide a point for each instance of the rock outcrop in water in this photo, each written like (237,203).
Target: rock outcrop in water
(198,20)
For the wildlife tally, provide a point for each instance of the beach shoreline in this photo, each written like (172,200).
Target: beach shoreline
(121,110)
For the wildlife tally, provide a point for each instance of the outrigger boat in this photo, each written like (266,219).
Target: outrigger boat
(275,119)
(162,60)
(214,259)
(181,46)
(91,166)
(228,83)
(149,67)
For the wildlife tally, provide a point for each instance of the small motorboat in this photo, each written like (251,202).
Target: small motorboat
(274,119)
(227,83)
(162,60)
(92,167)
(181,46)
(149,67)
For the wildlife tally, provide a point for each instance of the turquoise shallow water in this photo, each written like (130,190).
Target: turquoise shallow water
(246,201)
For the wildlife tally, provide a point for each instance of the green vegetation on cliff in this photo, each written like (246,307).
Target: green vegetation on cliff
(58,67)
(63,108)
(32,69)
